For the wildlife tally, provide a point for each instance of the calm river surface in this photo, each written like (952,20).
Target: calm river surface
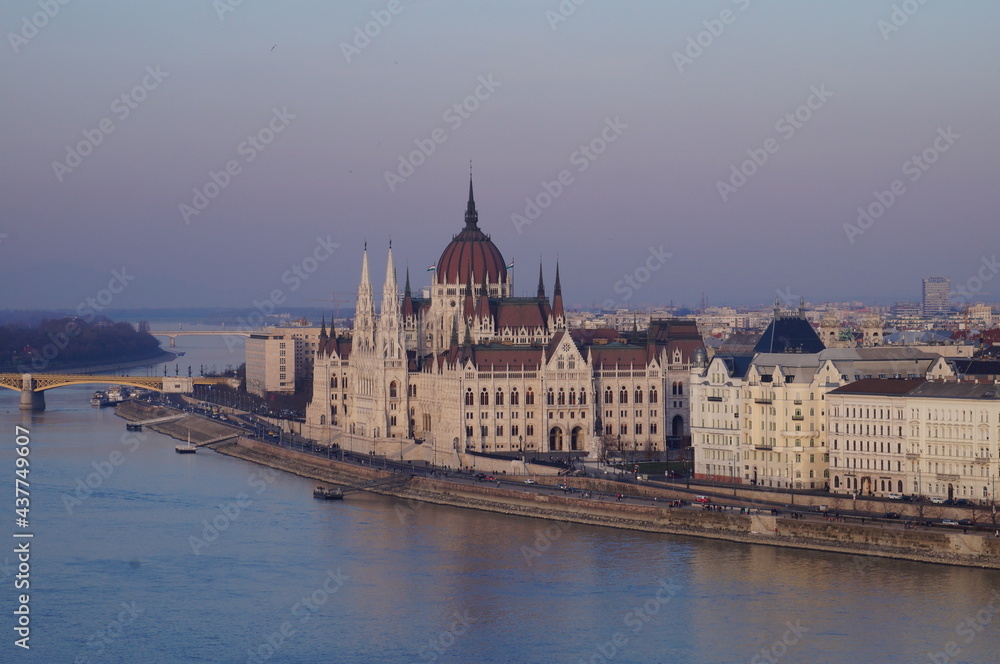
(205,558)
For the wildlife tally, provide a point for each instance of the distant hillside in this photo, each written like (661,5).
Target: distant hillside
(72,342)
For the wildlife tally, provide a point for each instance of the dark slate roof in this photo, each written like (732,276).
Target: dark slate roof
(976,367)
(957,390)
(880,386)
(738,364)
(789,333)
(739,343)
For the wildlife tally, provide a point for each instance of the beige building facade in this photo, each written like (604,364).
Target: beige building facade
(930,438)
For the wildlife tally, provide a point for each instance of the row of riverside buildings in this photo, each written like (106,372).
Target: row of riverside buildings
(465,367)
(866,421)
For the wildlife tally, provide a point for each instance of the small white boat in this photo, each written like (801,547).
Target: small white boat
(186,449)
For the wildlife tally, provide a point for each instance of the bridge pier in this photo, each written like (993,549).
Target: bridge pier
(172,341)
(33,400)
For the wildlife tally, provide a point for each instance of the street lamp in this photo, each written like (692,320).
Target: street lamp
(791,496)
(733,477)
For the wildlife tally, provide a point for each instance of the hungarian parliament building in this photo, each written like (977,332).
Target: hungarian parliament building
(471,368)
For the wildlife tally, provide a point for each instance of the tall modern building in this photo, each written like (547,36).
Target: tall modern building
(936,296)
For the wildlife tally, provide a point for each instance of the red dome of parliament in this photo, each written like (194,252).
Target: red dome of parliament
(471,253)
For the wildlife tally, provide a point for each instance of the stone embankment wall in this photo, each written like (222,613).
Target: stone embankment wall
(890,541)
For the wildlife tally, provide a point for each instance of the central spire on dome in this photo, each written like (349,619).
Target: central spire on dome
(471,216)
(471,253)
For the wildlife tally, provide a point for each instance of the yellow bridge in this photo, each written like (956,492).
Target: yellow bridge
(32,386)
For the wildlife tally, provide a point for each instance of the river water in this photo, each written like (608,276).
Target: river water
(143,555)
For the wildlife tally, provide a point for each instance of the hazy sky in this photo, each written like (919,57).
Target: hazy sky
(672,98)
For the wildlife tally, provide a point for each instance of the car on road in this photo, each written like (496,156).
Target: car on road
(480,476)
(529,481)
(894,496)
(937,501)
(704,500)
(892,515)
(949,522)
(490,478)
(966,522)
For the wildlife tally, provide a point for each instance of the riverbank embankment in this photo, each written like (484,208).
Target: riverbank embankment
(870,540)
(544,502)
(200,429)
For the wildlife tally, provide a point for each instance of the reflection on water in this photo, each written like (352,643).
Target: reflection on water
(282,577)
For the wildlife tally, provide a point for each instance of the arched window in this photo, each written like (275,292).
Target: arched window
(623,395)
(469,399)
(572,396)
(680,389)
(609,396)
(673,388)
(561,397)
(514,400)
(550,397)
(652,395)
(583,397)
(638,395)
(484,398)
(392,390)
(333,382)
(529,398)
(499,397)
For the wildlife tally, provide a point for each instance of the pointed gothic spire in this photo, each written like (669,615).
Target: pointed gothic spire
(541,283)
(471,216)
(469,305)
(557,301)
(323,339)
(484,299)
(390,272)
(468,336)
(364,310)
(407,296)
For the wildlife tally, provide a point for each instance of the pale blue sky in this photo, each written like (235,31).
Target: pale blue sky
(656,184)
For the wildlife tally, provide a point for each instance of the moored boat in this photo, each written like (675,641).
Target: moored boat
(186,449)
(326,493)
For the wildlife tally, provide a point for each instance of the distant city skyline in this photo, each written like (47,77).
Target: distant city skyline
(836,152)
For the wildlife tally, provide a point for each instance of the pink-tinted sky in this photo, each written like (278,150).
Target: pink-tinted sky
(873,83)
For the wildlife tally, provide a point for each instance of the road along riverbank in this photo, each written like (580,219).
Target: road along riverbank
(871,540)
(200,429)
(546,502)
